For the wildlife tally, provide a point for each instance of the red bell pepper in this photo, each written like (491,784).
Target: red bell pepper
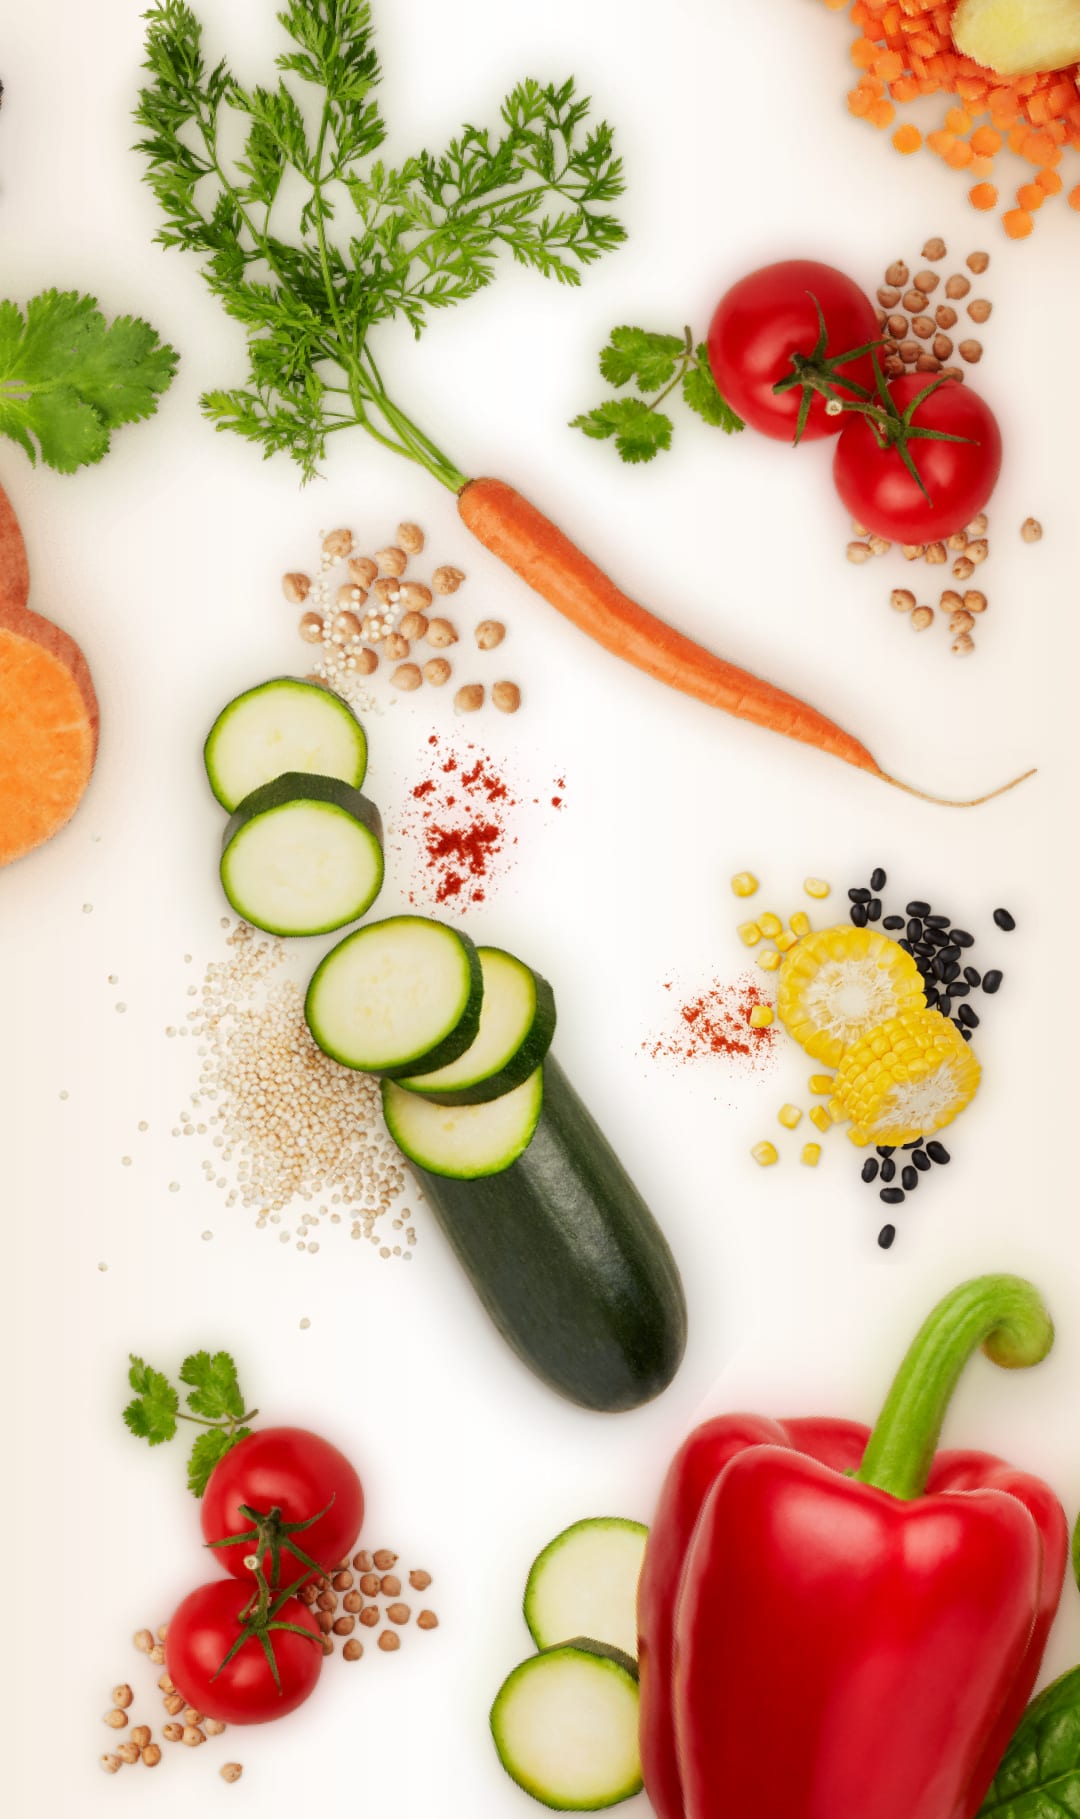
(836,1624)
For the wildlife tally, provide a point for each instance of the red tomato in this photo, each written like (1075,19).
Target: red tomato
(959,477)
(203,1630)
(289,1469)
(770,315)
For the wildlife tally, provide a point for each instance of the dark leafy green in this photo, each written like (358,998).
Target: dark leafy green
(661,364)
(1039,1777)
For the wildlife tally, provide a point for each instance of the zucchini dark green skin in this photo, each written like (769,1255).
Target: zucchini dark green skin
(302,786)
(569,1261)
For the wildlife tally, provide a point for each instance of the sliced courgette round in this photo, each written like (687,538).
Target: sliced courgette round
(282,725)
(302,855)
(397,997)
(585,1584)
(464,1141)
(517,1023)
(565,1725)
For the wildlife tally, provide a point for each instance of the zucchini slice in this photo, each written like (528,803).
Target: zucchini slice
(569,1261)
(302,855)
(397,997)
(565,1725)
(465,1141)
(517,1022)
(585,1584)
(283,725)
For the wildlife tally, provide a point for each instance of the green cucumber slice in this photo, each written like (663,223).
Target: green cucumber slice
(464,1141)
(517,1023)
(302,855)
(585,1582)
(565,1725)
(397,997)
(282,725)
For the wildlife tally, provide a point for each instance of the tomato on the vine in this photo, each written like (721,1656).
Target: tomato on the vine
(878,487)
(210,1623)
(317,1495)
(768,322)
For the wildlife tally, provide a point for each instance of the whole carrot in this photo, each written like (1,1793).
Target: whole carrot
(520,535)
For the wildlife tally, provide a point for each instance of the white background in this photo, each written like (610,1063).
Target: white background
(165,563)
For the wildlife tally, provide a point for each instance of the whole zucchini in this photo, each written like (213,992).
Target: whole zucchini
(569,1261)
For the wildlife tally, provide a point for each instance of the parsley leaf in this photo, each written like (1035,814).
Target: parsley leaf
(208,1449)
(68,378)
(703,395)
(640,432)
(634,353)
(152,1415)
(215,1391)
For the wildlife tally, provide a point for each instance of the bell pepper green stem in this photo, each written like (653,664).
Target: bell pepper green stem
(1006,1317)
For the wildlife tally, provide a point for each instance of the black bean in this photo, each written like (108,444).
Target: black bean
(965,1033)
(914,929)
(938,921)
(921,1160)
(972,975)
(916,1143)
(860,895)
(886,1236)
(931,997)
(888,1169)
(858,914)
(950,970)
(959,988)
(950,955)
(939,936)
(1004,920)
(968,1016)
(906,945)
(910,1179)
(878,879)
(873,909)
(960,937)
(918,908)
(944,1005)
(885,1149)
(892,1196)
(937,1152)
(893,922)
(870,1168)
(992,980)
(925,965)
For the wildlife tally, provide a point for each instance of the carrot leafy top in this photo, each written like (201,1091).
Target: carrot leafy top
(311,240)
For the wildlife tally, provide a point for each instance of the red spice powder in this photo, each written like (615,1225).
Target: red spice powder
(459,818)
(717,1022)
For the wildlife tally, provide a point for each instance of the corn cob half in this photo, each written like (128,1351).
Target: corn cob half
(839,983)
(905,1079)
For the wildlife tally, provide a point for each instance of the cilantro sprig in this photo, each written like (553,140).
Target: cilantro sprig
(660,364)
(68,378)
(214,1401)
(312,241)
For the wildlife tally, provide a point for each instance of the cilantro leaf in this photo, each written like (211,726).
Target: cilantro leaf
(636,353)
(207,1450)
(704,396)
(68,378)
(152,1415)
(214,1392)
(639,431)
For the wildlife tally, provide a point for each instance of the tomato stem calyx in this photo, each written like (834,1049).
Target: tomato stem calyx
(816,372)
(268,1533)
(258,1621)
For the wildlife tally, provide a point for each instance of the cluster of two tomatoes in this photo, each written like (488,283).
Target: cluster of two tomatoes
(281,1508)
(795,348)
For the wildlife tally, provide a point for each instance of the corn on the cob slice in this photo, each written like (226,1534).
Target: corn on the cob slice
(907,1078)
(841,982)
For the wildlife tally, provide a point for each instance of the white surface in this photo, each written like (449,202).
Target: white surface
(165,562)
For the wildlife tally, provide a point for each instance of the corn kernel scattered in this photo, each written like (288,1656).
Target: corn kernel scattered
(765,1154)
(820,1117)
(749,933)
(789,1116)
(821,1083)
(786,941)
(770,959)
(799,923)
(770,925)
(761,1016)
(816,887)
(744,884)
(811,1154)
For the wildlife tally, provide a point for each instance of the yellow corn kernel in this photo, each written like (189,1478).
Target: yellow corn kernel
(836,1110)
(744,884)
(906,1078)
(839,983)
(786,941)
(770,959)
(858,1137)
(799,923)
(765,1154)
(820,1117)
(761,1016)
(749,933)
(821,1083)
(789,1116)
(811,1154)
(770,925)
(816,887)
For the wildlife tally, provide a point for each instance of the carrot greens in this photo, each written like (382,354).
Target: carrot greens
(369,242)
